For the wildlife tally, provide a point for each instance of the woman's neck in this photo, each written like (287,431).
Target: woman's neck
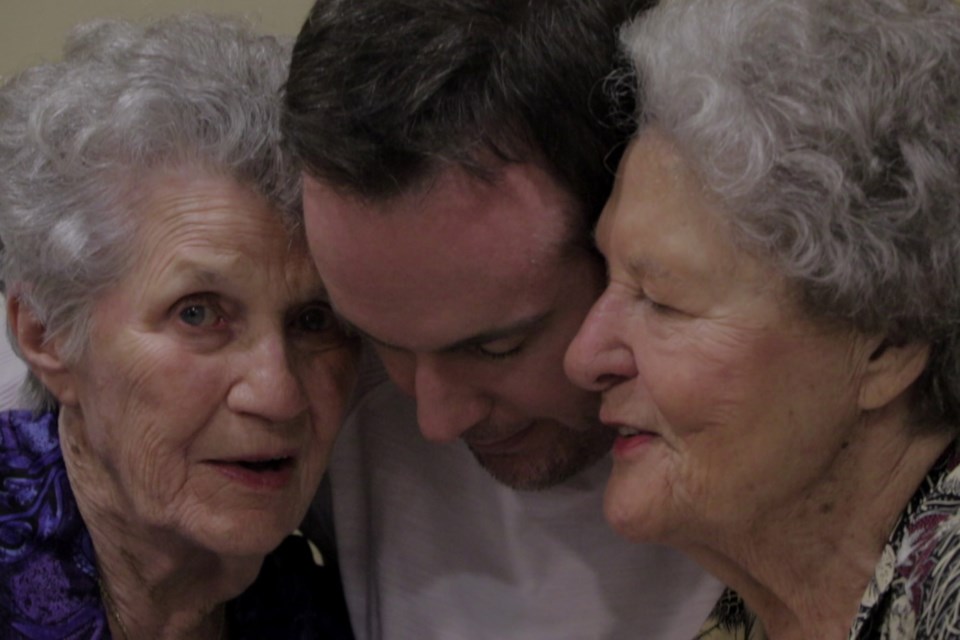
(153,593)
(154,583)
(804,568)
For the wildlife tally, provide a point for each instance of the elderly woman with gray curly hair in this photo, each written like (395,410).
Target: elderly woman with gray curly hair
(779,342)
(187,374)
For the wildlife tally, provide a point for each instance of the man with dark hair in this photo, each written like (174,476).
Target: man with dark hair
(456,155)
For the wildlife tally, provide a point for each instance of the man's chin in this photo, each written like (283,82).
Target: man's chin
(527,472)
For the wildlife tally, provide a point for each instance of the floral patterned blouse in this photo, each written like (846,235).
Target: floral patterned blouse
(48,575)
(915,590)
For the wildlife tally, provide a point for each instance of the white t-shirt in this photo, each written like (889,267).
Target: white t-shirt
(432,547)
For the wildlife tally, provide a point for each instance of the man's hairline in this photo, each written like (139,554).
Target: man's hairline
(580,224)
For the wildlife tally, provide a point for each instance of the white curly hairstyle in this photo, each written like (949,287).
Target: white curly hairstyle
(831,131)
(78,137)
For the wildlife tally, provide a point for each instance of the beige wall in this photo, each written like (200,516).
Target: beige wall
(32,31)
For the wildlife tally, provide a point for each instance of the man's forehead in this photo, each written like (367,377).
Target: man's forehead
(441,304)
(523,215)
(459,259)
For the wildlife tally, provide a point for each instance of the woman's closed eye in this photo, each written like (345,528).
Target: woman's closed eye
(655,303)
(659,307)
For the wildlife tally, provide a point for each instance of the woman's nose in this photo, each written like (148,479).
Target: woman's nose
(268,386)
(599,355)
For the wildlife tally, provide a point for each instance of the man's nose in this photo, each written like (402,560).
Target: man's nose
(448,405)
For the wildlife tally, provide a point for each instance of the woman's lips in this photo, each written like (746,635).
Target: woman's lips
(629,439)
(258,473)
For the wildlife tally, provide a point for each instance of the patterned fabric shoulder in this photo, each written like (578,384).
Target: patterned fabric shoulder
(731,620)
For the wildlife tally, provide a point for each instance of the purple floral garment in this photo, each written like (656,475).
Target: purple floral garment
(48,577)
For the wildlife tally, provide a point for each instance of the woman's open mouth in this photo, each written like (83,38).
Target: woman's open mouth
(259,474)
(276,464)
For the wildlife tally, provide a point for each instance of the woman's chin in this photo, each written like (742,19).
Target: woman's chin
(244,537)
(627,523)
(631,508)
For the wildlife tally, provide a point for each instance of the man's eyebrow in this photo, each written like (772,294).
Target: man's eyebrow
(524,325)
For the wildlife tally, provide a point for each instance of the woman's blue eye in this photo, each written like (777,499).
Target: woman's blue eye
(197,315)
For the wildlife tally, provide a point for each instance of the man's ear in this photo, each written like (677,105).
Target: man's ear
(42,355)
(890,371)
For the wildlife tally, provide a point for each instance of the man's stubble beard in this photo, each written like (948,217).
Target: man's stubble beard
(572,452)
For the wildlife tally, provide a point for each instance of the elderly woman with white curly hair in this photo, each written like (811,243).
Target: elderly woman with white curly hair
(779,342)
(187,374)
